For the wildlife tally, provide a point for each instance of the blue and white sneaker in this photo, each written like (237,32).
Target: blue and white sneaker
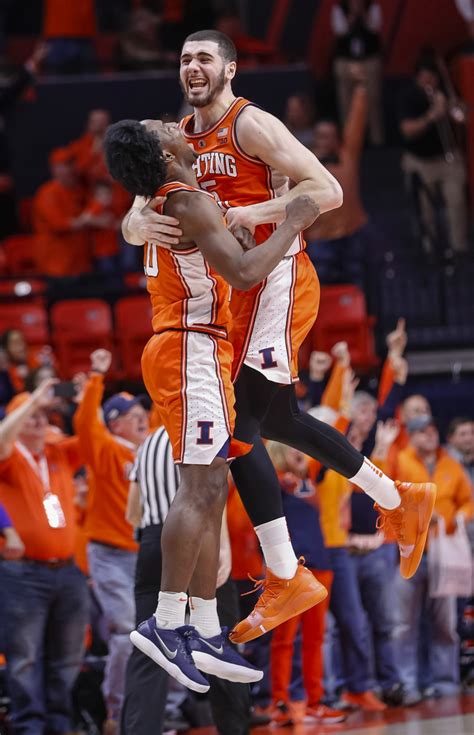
(218,657)
(169,648)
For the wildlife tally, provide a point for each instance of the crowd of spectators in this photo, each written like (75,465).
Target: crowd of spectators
(64,465)
(70,550)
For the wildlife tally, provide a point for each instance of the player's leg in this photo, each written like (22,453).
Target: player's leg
(289,588)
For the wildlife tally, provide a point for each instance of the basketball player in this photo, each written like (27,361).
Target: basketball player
(187,371)
(246,159)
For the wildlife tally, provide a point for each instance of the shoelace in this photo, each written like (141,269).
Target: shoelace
(267,587)
(395,522)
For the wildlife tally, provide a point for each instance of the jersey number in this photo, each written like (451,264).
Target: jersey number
(210,187)
(151,265)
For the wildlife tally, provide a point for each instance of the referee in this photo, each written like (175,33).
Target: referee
(154,483)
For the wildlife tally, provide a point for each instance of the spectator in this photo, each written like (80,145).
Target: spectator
(63,242)
(69,29)
(374,559)
(357,25)
(87,151)
(299,117)
(337,240)
(9,94)
(140,47)
(20,358)
(109,449)
(44,586)
(433,157)
(250,50)
(104,221)
(302,513)
(460,445)
(425,461)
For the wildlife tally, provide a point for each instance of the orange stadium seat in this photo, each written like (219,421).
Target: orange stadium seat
(133,327)
(32,319)
(78,328)
(20,254)
(343,317)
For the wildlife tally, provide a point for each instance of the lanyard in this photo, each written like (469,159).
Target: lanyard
(39,468)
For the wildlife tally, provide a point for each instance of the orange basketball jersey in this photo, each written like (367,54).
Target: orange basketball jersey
(234,178)
(271,320)
(186,293)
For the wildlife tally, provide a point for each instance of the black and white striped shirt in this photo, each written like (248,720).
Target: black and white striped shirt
(158,477)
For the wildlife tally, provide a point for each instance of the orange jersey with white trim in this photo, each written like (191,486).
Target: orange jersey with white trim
(234,178)
(186,293)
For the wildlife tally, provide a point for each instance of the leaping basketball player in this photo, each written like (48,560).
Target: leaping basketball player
(247,159)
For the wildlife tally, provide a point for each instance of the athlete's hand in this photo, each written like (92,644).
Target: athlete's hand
(301,212)
(101,361)
(240,217)
(152,227)
(385,435)
(397,340)
(244,237)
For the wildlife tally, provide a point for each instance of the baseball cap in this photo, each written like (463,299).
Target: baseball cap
(118,405)
(420,423)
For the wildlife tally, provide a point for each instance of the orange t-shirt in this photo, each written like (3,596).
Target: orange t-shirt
(59,250)
(69,19)
(89,159)
(22,494)
(109,459)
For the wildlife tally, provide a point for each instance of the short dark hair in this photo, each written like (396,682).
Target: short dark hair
(135,158)
(456,423)
(226,45)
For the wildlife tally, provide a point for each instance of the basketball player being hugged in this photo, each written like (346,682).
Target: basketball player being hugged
(187,371)
(247,159)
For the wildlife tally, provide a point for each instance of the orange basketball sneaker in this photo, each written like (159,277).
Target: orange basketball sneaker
(410,522)
(281,599)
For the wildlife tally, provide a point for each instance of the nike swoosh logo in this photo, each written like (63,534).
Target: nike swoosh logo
(213,648)
(167,651)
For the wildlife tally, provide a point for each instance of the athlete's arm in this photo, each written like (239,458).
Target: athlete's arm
(263,136)
(202,224)
(142,224)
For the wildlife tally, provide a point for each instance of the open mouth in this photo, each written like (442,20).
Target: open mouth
(195,85)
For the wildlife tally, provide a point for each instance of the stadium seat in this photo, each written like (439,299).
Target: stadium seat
(133,328)
(78,328)
(29,290)
(343,317)
(20,254)
(32,319)
(135,281)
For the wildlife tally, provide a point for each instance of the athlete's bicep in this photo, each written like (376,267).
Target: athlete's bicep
(263,136)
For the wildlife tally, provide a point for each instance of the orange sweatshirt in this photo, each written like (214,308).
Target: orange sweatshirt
(110,459)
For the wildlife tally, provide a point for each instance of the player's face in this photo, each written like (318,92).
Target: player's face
(171,139)
(203,73)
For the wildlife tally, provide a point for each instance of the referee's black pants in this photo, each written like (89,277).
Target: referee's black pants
(143,711)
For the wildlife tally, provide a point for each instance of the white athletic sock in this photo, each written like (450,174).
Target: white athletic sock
(277,548)
(380,487)
(204,616)
(171,609)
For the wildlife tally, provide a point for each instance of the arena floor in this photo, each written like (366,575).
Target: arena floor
(450,716)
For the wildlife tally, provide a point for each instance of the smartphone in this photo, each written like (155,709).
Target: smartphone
(65,390)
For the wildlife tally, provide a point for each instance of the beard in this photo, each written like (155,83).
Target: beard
(210,96)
